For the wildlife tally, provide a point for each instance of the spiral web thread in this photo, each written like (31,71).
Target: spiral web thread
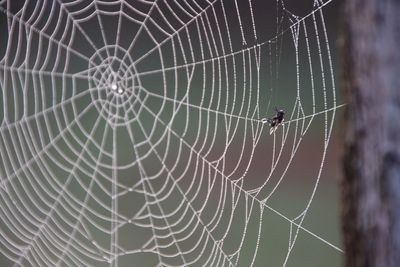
(130,130)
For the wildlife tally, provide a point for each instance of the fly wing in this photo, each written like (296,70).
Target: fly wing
(264,120)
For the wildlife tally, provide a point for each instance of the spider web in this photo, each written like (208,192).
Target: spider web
(131,131)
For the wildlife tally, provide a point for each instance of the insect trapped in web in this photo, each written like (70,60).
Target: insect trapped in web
(275,121)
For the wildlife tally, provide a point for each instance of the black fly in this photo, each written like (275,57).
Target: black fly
(275,121)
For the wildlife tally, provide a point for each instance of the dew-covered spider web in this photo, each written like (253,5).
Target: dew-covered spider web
(132,134)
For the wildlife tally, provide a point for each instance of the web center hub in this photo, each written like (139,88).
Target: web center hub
(114,84)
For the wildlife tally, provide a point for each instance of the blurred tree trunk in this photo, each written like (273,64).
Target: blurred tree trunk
(371,161)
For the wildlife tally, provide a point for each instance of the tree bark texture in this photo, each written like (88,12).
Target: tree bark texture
(371,160)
